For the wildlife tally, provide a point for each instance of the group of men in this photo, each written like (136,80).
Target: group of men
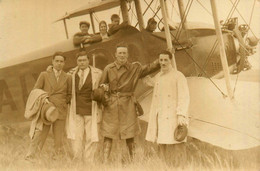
(114,117)
(84,37)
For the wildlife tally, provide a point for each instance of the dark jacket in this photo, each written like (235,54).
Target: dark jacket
(59,92)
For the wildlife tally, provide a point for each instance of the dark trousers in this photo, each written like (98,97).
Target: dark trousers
(40,136)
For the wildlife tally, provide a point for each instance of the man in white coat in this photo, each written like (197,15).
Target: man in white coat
(84,114)
(169,104)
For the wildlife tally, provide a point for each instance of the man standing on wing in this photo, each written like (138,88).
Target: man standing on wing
(169,106)
(119,115)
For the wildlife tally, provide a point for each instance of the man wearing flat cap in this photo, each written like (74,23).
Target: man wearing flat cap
(83,37)
(57,85)
(84,113)
(120,113)
(168,116)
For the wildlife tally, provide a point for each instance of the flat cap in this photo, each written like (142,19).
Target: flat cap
(84,22)
(151,21)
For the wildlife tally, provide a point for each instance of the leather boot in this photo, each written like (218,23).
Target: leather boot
(131,147)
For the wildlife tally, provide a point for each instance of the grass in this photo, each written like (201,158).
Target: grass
(200,156)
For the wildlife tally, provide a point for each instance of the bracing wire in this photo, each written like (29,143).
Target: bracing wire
(184,19)
(192,118)
(232,10)
(242,46)
(133,14)
(148,6)
(207,76)
(251,16)
(204,7)
(210,54)
(96,17)
(155,13)
(156,4)
(173,7)
(243,19)
(131,8)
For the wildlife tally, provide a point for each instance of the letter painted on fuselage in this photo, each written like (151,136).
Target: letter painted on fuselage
(6,97)
(14,91)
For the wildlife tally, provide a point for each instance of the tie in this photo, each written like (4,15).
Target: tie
(81,79)
(57,76)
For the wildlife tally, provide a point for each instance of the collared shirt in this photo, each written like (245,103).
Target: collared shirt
(86,72)
(126,65)
(57,73)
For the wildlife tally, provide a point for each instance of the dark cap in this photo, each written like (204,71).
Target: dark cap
(152,21)
(84,22)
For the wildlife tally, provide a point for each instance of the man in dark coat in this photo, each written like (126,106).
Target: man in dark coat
(58,86)
(119,115)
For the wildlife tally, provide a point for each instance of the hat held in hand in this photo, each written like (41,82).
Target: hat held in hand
(49,113)
(180,132)
(98,95)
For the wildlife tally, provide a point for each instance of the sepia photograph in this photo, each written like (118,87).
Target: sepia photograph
(143,85)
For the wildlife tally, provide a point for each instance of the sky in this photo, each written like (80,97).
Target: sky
(27,25)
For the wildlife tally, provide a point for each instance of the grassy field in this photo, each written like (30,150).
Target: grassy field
(200,156)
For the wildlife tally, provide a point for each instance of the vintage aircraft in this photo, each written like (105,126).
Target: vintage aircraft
(229,121)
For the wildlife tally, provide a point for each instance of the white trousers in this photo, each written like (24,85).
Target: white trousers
(87,148)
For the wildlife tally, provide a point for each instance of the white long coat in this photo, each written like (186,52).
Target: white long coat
(96,111)
(170,98)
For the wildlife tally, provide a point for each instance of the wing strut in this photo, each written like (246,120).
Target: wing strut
(223,56)
(124,10)
(139,14)
(182,13)
(66,29)
(167,32)
(92,22)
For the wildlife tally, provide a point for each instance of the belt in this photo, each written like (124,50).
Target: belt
(121,94)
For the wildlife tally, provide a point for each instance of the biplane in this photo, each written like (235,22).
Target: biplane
(205,54)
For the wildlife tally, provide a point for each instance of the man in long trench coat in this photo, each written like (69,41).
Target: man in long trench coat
(119,116)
